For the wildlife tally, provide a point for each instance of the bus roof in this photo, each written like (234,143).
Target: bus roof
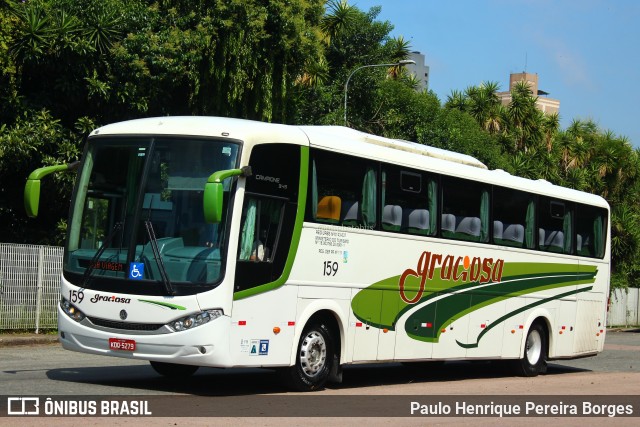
(348,141)
(248,131)
(397,144)
(353,142)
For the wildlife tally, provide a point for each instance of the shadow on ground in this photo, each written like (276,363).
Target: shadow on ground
(234,382)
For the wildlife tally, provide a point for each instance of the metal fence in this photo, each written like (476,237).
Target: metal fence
(625,308)
(30,290)
(29,286)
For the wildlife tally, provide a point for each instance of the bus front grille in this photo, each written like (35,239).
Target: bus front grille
(126,326)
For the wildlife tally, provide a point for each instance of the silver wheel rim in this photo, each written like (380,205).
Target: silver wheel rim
(534,347)
(313,353)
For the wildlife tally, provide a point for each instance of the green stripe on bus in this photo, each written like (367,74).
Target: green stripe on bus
(518,311)
(453,307)
(518,279)
(163,304)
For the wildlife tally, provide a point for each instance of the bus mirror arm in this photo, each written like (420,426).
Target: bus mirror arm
(32,187)
(214,192)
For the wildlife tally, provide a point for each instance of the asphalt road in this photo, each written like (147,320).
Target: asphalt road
(50,370)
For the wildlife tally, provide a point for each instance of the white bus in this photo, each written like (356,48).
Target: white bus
(201,241)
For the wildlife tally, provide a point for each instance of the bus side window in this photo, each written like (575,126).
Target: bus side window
(513,218)
(409,201)
(343,190)
(260,228)
(591,225)
(555,226)
(465,210)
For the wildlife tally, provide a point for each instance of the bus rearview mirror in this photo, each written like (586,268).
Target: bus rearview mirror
(214,192)
(32,187)
(32,197)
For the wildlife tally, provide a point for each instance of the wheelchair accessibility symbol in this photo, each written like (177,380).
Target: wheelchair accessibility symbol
(136,270)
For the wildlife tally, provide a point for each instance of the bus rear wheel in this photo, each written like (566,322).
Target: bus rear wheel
(314,359)
(534,359)
(173,370)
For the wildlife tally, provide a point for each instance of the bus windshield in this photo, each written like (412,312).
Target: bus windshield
(137,221)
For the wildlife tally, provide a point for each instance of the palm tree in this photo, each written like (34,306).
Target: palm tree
(400,50)
(34,33)
(456,100)
(489,109)
(521,165)
(523,115)
(577,178)
(479,104)
(491,89)
(494,122)
(546,164)
(625,234)
(551,125)
(102,29)
(412,81)
(340,16)
(580,153)
(315,73)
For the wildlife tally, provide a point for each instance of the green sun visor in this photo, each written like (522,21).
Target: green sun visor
(214,192)
(32,187)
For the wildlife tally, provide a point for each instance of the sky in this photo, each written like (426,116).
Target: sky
(586,52)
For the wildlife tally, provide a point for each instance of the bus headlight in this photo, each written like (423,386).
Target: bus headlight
(71,310)
(194,320)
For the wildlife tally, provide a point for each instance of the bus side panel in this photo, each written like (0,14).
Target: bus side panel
(365,335)
(485,321)
(563,334)
(513,330)
(590,329)
(453,333)
(409,349)
(253,340)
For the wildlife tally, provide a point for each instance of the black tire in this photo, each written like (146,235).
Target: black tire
(534,359)
(314,359)
(173,370)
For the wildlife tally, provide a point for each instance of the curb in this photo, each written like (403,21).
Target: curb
(624,329)
(27,340)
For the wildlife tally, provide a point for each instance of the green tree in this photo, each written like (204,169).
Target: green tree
(26,146)
(353,38)
(339,18)
(402,112)
(525,120)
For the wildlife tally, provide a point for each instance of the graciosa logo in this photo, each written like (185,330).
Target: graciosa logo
(109,298)
(452,268)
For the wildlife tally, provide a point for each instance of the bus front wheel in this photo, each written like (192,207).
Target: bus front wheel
(534,359)
(314,359)
(173,370)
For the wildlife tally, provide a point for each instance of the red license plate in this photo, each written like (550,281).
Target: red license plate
(122,344)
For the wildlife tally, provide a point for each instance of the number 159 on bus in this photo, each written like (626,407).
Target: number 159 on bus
(330,268)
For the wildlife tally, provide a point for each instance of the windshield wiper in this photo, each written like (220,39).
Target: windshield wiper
(156,254)
(92,264)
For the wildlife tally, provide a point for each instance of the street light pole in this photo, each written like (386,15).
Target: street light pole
(346,85)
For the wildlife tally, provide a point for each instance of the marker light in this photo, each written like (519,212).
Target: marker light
(71,310)
(194,320)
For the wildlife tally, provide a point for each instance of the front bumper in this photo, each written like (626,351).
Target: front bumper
(205,345)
